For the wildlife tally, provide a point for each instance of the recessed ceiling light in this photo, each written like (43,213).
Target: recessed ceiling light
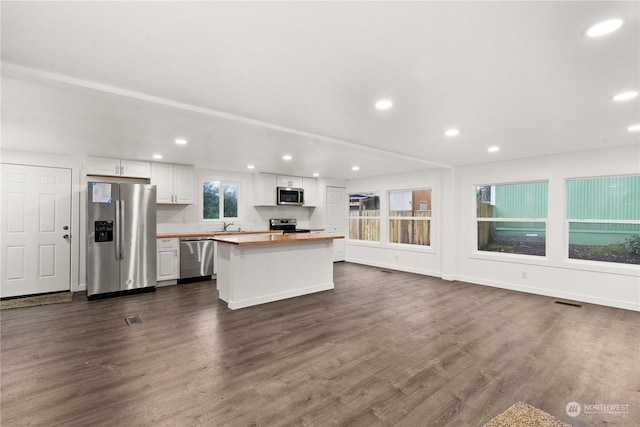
(603,28)
(493,149)
(452,132)
(355,168)
(181,141)
(634,128)
(157,156)
(316,174)
(251,167)
(287,157)
(384,104)
(625,96)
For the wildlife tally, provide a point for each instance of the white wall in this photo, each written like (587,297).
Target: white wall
(417,259)
(453,255)
(554,275)
(170,217)
(179,218)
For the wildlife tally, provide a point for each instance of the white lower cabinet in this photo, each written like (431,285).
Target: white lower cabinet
(168,253)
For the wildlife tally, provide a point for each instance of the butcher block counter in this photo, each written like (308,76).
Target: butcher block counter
(220,233)
(273,238)
(261,268)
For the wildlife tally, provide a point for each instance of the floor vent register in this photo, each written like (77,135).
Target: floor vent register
(133,320)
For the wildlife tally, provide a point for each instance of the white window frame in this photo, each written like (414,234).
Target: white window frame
(222,183)
(378,218)
(420,218)
(567,232)
(506,255)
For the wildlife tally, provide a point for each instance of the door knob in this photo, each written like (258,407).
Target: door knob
(66,236)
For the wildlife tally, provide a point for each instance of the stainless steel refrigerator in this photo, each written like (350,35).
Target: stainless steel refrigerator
(121,238)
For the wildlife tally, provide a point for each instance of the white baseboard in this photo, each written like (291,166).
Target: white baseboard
(553,293)
(397,267)
(511,286)
(234,305)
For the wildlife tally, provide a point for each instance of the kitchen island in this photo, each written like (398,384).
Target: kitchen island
(260,268)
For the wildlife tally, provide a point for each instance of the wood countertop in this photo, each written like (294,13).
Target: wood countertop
(267,239)
(220,233)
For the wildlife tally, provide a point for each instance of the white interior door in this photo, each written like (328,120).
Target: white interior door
(36,220)
(337,219)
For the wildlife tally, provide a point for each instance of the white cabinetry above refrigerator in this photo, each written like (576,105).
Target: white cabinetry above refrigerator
(117,167)
(175,184)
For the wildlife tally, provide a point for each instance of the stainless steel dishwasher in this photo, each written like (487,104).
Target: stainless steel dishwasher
(196,259)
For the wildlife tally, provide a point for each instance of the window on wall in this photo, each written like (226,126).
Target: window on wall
(219,200)
(512,218)
(410,217)
(603,216)
(364,216)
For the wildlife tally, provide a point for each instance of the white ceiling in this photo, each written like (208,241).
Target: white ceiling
(246,82)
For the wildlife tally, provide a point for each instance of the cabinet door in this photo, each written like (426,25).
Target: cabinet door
(264,187)
(135,169)
(310,186)
(162,178)
(184,184)
(289,181)
(167,263)
(103,166)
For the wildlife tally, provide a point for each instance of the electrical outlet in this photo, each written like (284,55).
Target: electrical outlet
(184,220)
(524,274)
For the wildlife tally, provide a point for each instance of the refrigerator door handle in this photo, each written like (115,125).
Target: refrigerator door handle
(117,230)
(121,228)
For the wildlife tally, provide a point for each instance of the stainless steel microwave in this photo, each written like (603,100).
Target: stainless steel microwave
(290,196)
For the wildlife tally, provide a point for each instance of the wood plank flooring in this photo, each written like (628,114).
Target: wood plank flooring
(382,349)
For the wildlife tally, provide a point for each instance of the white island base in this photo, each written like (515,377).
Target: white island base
(259,273)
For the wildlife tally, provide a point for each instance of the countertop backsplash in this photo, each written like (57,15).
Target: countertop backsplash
(186,218)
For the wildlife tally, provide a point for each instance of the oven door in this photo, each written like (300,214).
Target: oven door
(290,196)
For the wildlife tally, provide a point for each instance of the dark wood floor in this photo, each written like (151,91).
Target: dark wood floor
(381,349)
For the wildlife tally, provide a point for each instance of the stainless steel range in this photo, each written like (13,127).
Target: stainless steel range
(287,225)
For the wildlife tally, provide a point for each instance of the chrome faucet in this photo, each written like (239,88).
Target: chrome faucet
(226,225)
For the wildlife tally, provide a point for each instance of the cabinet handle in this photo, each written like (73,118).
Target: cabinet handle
(121,170)
(117,170)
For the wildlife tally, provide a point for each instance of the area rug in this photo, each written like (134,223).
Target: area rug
(55,298)
(523,415)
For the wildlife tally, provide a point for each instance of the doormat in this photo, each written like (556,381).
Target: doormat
(54,298)
(523,415)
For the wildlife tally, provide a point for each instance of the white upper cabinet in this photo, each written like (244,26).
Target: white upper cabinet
(310,186)
(184,184)
(264,189)
(175,184)
(265,184)
(117,167)
(289,181)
